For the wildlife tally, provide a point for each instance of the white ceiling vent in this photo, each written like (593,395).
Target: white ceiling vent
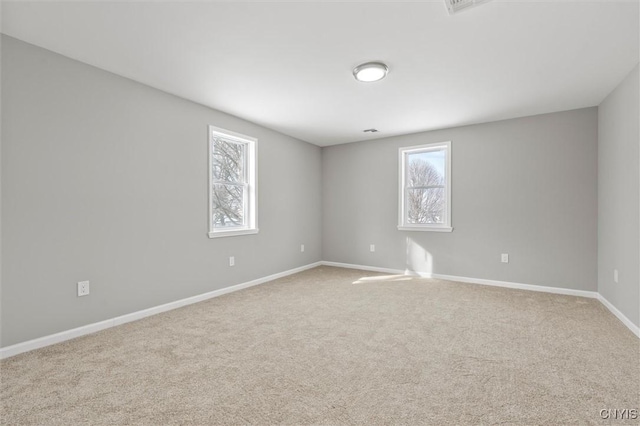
(455,6)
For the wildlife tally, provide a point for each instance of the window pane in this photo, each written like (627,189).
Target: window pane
(228,205)
(228,161)
(425,168)
(425,206)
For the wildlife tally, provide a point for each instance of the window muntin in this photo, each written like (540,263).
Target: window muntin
(425,188)
(232,189)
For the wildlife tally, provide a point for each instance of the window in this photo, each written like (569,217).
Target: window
(425,188)
(232,184)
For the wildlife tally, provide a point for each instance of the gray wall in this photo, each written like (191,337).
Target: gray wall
(618,197)
(526,187)
(105,179)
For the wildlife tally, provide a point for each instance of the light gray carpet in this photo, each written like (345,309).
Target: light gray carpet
(327,347)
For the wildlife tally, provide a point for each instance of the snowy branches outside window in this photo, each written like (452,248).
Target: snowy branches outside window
(229,183)
(232,184)
(425,188)
(425,193)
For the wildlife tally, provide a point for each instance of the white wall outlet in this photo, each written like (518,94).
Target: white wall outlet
(615,275)
(301,248)
(83,288)
(372,248)
(232,260)
(505,258)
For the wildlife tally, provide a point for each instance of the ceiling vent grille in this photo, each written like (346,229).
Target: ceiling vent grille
(455,6)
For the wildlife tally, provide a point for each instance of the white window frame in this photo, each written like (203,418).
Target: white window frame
(251,193)
(402,190)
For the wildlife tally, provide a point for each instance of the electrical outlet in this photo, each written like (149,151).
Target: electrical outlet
(615,275)
(301,248)
(505,258)
(372,248)
(232,261)
(83,288)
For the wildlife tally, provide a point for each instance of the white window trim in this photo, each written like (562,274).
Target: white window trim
(444,227)
(252,178)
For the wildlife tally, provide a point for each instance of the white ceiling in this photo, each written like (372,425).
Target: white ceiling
(287,65)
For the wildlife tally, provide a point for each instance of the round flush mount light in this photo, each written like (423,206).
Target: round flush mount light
(370,71)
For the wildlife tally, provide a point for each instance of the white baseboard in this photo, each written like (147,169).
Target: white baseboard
(520,286)
(369,268)
(555,290)
(626,321)
(41,342)
(482,281)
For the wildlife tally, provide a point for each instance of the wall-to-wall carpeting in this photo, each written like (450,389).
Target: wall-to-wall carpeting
(339,346)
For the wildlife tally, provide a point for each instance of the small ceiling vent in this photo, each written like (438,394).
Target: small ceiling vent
(455,6)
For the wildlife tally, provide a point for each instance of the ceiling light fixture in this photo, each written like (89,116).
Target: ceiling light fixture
(370,71)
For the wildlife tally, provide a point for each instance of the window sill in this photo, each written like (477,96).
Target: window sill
(232,233)
(426,228)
